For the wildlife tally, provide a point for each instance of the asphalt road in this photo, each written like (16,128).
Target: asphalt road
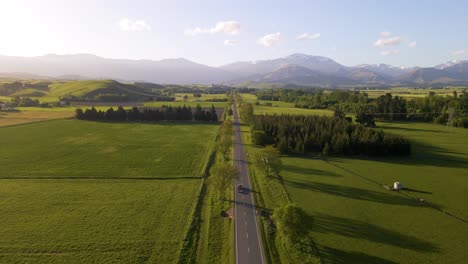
(248,243)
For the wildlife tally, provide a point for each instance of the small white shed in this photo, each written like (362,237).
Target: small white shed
(397,186)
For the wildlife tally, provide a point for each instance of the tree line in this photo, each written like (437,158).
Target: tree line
(182,113)
(447,110)
(223,171)
(246,112)
(328,135)
(17,101)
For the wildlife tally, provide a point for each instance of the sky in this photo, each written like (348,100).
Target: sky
(401,33)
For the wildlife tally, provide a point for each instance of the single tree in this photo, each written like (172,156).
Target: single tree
(79,113)
(269,161)
(223,175)
(365,119)
(338,113)
(291,222)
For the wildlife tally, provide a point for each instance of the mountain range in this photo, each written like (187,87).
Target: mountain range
(295,69)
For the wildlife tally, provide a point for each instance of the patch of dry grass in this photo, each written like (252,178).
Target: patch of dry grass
(17,118)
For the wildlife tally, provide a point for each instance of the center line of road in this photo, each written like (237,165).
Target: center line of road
(247,235)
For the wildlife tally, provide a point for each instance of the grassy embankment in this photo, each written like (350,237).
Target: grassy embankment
(211,235)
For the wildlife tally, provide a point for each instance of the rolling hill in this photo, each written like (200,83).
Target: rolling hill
(89,90)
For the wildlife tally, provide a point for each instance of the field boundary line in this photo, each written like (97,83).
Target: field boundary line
(99,178)
(38,121)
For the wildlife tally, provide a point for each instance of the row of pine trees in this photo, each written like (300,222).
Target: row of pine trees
(182,113)
(329,135)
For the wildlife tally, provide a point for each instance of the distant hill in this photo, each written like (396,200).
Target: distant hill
(296,69)
(315,63)
(385,70)
(452,73)
(299,75)
(88,90)
(173,71)
(103,90)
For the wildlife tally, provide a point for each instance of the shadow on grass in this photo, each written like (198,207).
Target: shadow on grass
(159,123)
(409,129)
(355,193)
(304,170)
(248,205)
(336,256)
(416,191)
(422,155)
(361,230)
(411,200)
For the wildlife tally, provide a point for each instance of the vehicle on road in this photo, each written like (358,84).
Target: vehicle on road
(240,188)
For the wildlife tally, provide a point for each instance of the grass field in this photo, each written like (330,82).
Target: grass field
(188,103)
(75,191)
(93,221)
(270,110)
(281,107)
(4,98)
(74,148)
(355,220)
(409,92)
(204,97)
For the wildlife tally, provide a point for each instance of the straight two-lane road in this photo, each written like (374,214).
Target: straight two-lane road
(248,243)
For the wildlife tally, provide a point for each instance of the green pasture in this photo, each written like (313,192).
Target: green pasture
(75,148)
(203,97)
(354,219)
(192,104)
(94,220)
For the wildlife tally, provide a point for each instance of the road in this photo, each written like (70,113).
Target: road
(248,243)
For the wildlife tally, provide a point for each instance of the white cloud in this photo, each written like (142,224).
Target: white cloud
(412,44)
(227,27)
(305,36)
(385,34)
(134,25)
(388,41)
(390,52)
(270,40)
(459,52)
(229,42)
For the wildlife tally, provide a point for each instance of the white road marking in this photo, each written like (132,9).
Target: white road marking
(248,249)
(247,235)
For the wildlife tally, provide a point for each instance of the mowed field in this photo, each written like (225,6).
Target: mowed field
(76,191)
(355,220)
(279,108)
(17,118)
(74,148)
(192,104)
(94,221)
(409,92)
